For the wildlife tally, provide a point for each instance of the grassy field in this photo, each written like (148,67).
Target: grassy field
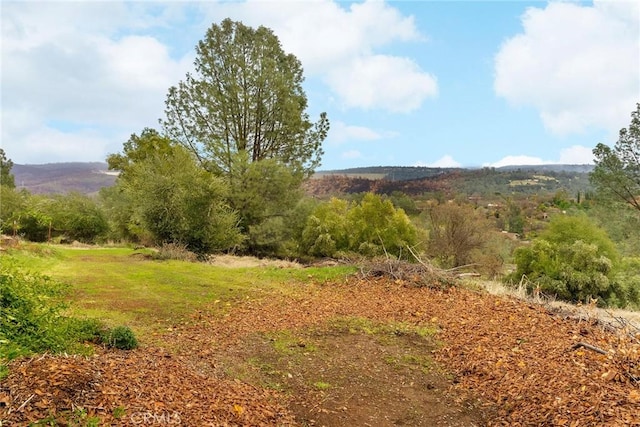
(123,286)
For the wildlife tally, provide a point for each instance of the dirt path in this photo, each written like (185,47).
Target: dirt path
(360,353)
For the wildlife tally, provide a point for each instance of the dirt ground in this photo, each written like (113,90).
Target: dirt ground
(358,353)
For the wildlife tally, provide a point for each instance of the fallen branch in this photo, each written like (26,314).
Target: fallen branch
(588,347)
(25,403)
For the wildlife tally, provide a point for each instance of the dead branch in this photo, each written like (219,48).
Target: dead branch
(588,347)
(25,403)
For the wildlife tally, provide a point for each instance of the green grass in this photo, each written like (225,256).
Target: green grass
(356,325)
(119,287)
(321,385)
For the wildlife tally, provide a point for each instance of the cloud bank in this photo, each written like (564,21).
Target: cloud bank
(577,65)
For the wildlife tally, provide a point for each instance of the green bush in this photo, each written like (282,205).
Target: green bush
(12,202)
(121,337)
(34,225)
(326,230)
(371,227)
(78,217)
(575,260)
(32,318)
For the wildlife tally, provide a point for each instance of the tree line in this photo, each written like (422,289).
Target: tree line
(224,174)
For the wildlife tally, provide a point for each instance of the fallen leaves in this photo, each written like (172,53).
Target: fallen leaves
(518,358)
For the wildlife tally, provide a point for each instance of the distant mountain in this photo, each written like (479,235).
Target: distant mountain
(60,178)
(393,173)
(550,168)
(402,173)
(535,179)
(89,178)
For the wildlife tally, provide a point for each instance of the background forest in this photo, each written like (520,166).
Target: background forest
(233,170)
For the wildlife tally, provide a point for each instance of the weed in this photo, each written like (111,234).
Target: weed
(321,385)
(4,371)
(119,412)
(121,337)
(412,361)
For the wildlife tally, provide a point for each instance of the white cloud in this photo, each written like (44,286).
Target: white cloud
(323,33)
(342,132)
(381,81)
(47,145)
(444,162)
(517,160)
(340,43)
(104,67)
(351,154)
(577,64)
(76,86)
(576,155)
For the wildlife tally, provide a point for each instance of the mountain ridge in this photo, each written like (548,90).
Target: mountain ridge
(90,177)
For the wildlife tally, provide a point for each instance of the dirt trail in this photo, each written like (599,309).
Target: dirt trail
(373,353)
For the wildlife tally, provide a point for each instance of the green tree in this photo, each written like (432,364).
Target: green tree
(572,259)
(326,230)
(262,190)
(12,203)
(374,227)
(245,97)
(6,178)
(179,202)
(371,227)
(139,148)
(565,229)
(515,219)
(78,217)
(617,171)
(34,223)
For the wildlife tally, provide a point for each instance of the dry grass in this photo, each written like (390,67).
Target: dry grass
(232,261)
(613,316)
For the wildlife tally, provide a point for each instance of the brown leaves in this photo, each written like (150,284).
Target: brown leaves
(146,384)
(520,360)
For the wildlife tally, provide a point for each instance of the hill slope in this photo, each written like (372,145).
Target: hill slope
(56,178)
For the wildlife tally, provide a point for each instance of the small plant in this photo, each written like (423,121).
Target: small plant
(4,371)
(321,385)
(119,412)
(121,337)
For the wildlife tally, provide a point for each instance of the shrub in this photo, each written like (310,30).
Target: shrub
(573,260)
(175,251)
(78,217)
(32,320)
(34,225)
(326,232)
(456,233)
(371,227)
(374,227)
(121,337)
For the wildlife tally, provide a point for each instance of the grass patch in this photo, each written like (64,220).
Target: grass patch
(119,286)
(321,385)
(357,325)
(413,361)
(287,343)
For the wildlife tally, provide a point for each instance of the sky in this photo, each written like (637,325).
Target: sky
(404,83)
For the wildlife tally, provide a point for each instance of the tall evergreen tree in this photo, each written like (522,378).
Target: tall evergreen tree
(245,101)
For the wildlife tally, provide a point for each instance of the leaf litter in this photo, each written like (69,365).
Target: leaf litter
(504,361)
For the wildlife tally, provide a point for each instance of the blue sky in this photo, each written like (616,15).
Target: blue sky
(431,83)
